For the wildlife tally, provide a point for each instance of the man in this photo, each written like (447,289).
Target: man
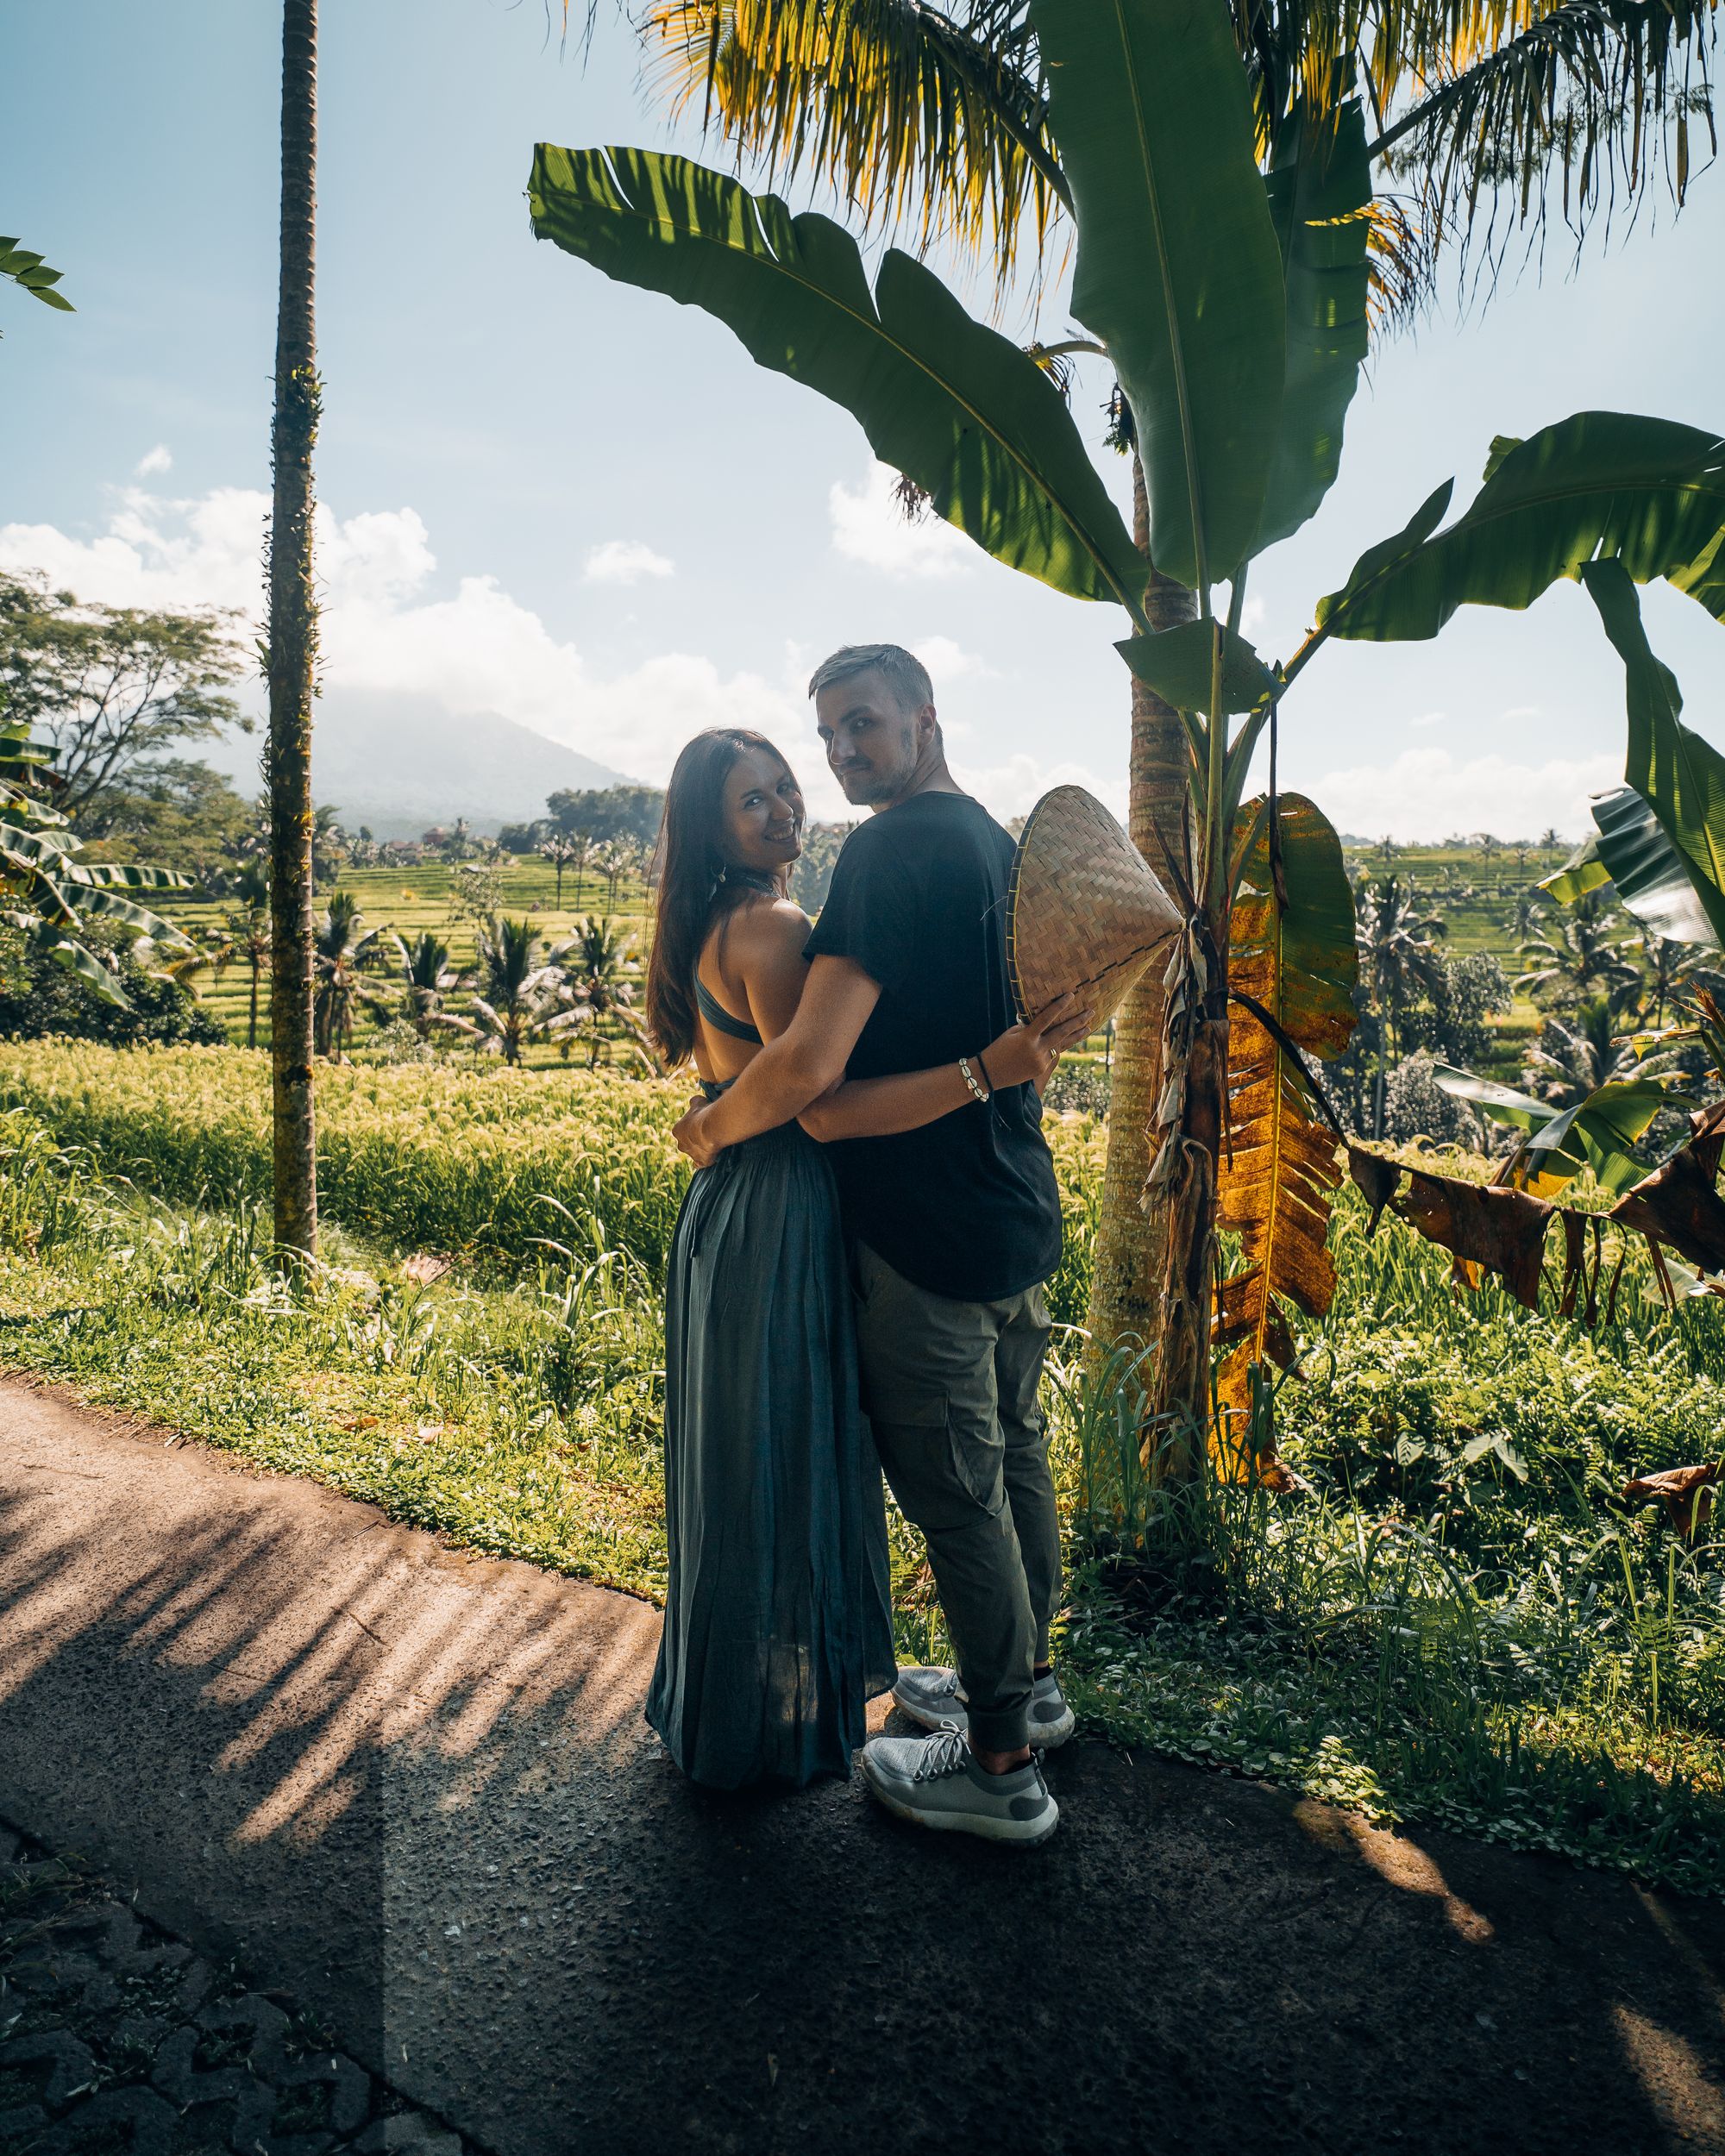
(955,1226)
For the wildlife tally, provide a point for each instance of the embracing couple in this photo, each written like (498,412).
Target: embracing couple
(855,1280)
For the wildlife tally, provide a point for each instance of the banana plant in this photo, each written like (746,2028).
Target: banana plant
(1230,304)
(46,891)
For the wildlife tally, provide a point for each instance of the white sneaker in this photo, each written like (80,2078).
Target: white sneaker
(935,1781)
(934,1697)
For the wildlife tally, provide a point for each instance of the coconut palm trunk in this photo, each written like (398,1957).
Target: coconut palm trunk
(1127,1286)
(292,646)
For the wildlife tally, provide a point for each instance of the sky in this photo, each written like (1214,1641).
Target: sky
(584,507)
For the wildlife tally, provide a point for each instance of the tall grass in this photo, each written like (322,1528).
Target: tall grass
(459,1163)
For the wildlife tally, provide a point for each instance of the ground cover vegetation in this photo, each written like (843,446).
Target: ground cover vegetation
(1458,1618)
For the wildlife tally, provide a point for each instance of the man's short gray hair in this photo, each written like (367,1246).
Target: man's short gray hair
(901,670)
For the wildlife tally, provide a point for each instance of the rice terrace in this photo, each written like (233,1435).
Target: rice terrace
(861,1264)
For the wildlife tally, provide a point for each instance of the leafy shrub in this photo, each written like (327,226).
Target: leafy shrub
(1415,1105)
(38,999)
(1079,1087)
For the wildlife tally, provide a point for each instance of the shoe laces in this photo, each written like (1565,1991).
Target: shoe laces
(947,1753)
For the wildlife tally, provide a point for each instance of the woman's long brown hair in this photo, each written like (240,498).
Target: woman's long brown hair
(693,891)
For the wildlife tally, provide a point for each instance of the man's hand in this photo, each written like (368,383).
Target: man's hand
(1026,1055)
(689,1137)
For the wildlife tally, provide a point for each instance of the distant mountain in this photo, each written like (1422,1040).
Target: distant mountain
(400,764)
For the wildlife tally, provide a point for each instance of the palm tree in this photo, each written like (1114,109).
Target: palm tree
(602,981)
(291,647)
(1525,916)
(426,976)
(941,121)
(247,927)
(563,854)
(1579,1053)
(1664,966)
(524,993)
(580,845)
(1578,955)
(340,952)
(329,847)
(1399,963)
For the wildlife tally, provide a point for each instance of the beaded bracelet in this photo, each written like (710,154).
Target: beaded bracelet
(965,1067)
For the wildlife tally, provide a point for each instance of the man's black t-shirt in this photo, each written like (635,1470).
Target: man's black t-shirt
(966,1206)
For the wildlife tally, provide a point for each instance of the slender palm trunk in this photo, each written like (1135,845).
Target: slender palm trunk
(1127,1288)
(252,1014)
(292,645)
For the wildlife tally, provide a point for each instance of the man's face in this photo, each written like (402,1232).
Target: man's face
(872,743)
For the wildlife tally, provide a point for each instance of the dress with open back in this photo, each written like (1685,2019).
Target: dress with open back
(778,1625)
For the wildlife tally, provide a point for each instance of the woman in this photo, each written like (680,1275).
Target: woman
(778,1625)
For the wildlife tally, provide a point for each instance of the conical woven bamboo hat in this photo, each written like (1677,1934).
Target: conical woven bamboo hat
(1085,913)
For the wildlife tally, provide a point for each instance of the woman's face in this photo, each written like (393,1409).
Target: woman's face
(762,813)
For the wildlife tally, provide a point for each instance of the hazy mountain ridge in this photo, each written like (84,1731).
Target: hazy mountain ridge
(400,764)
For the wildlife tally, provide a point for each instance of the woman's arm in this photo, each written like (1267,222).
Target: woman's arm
(880,1108)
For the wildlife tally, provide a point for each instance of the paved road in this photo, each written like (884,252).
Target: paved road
(413,1787)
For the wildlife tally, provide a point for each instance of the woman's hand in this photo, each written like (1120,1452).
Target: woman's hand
(1026,1055)
(688,1135)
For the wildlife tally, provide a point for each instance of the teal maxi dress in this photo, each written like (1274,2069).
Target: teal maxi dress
(778,1622)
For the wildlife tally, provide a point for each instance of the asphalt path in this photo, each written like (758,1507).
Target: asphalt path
(413,1786)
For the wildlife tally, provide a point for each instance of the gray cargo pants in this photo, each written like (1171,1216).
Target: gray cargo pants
(950,1390)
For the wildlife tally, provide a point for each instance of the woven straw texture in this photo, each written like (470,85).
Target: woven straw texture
(1086,913)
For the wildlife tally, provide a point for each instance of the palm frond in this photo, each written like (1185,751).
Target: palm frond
(918,121)
(1583,105)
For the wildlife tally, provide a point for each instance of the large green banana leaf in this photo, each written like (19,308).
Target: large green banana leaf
(1648,490)
(1178,271)
(960,409)
(1630,851)
(1583,871)
(1320,189)
(1679,776)
(1176,663)
(1600,1132)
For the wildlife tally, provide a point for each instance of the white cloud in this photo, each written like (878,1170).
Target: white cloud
(949,661)
(624,561)
(1013,787)
(868,527)
(477,650)
(1428,793)
(1425,719)
(155,552)
(152,462)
